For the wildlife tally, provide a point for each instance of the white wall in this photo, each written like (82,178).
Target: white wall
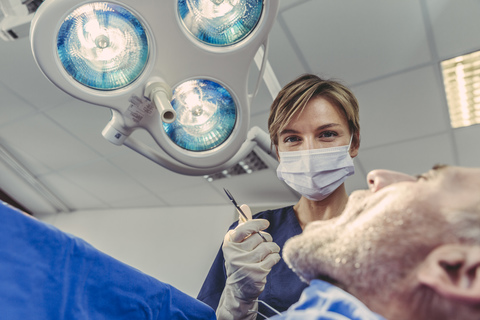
(175,245)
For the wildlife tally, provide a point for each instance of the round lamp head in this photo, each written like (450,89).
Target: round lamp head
(102,46)
(206,115)
(220,22)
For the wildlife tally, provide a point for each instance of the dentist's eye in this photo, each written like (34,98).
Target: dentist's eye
(291,139)
(328,134)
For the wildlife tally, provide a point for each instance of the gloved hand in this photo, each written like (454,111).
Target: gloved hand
(248,260)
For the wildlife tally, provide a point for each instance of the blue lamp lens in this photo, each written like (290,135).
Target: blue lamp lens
(220,22)
(206,114)
(102,46)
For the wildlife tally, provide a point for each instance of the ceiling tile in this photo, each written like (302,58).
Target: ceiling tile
(401,107)
(13,108)
(147,201)
(468,149)
(48,145)
(286,65)
(105,181)
(260,120)
(257,188)
(21,74)
(455,26)
(412,157)
(152,176)
(25,158)
(86,122)
(74,197)
(358,40)
(193,195)
(284,5)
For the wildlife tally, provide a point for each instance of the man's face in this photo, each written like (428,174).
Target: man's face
(386,230)
(442,189)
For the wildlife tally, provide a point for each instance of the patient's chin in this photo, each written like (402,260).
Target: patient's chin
(295,254)
(307,254)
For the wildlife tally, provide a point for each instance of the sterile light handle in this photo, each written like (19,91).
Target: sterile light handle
(161,94)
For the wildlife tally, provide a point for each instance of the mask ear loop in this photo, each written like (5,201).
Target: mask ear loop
(350,144)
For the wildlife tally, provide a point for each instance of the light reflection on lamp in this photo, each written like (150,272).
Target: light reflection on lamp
(220,22)
(102,45)
(206,114)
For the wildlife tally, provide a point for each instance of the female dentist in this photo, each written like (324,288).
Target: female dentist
(314,126)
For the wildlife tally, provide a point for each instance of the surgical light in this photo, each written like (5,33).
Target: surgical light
(220,22)
(144,61)
(206,113)
(102,45)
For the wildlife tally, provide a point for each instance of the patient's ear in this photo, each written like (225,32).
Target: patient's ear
(453,271)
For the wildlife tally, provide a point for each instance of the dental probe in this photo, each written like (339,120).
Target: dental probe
(230,196)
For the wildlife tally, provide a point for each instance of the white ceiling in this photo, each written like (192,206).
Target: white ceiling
(388,52)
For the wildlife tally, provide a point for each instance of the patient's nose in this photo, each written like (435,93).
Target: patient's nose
(378,179)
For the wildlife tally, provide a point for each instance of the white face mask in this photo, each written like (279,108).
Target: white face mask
(316,173)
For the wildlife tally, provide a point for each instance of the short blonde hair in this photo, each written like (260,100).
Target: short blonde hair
(293,98)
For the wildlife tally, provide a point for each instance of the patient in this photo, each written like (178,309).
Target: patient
(408,248)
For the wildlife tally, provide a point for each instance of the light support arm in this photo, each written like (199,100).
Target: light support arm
(269,76)
(256,137)
(263,141)
(261,61)
(34,189)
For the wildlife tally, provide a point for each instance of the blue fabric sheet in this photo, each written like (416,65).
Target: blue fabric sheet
(48,274)
(323,301)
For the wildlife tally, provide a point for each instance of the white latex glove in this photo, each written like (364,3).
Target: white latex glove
(248,260)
